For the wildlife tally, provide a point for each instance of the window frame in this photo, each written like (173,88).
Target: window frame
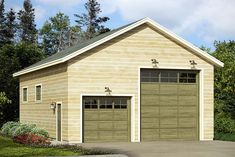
(38,101)
(163,78)
(25,87)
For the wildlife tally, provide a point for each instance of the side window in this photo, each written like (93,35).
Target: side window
(38,92)
(25,94)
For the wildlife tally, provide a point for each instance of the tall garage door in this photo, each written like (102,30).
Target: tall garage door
(106,119)
(169,105)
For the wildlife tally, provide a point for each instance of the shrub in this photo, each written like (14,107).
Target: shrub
(40,132)
(13,129)
(7,128)
(31,139)
(22,129)
(224,124)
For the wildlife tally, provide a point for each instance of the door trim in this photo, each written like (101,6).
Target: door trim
(201,98)
(61,112)
(132,127)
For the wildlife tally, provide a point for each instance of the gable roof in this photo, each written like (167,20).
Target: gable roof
(78,49)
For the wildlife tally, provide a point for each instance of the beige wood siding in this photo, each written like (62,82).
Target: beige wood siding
(54,88)
(115,64)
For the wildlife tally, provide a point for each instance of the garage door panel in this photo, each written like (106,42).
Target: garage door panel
(91,136)
(166,89)
(187,122)
(106,135)
(168,133)
(106,115)
(150,111)
(188,111)
(188,100)
(120,135)
(91,115)
(150,88)
(150,123)
(188,89)
(168,123)
(188,133)
(168,100)
(105,125)
(120,115)
(149,134)
(150,100)
(91,125)
(168,111)
(109,122)
(120,125)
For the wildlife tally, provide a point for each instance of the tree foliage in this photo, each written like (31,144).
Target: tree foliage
(27,26)
(57,34)
(225,78)
(10,27)
(12,59)
(2,23)
(91,20)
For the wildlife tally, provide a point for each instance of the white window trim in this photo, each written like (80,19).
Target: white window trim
(38,101)
(23,94)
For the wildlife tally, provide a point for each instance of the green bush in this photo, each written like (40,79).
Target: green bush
(23,128)
(13,129)
(224,124)
(40,132)
(8,127)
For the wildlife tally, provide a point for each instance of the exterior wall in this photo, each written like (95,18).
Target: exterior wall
(116,64)
(54,82)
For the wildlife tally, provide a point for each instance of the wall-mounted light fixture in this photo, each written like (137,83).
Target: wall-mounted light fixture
(53,106)
(193,63)
(107,91)
(154,63)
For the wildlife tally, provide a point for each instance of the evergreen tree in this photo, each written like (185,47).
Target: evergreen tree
(2,23)
(57,34)
(10,27)
(91,20)
(27,26)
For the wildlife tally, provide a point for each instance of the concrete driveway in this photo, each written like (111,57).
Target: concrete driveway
(170,148)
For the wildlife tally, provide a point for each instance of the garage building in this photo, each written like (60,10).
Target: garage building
(137,83)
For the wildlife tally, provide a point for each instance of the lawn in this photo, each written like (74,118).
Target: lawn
(11,149)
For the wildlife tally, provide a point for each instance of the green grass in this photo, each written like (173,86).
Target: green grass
(224,137)
(11,149)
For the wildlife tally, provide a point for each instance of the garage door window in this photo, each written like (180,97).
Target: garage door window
(120,104)
(106,104)
(150,76)
(91,104)
(187,77)
(167,76)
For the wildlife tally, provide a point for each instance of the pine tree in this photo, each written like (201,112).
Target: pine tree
(2,23)
(91,20)
(27,26)
(57,34)
(10,27)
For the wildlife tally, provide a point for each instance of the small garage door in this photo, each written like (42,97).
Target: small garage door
(169,105)
(106,119)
